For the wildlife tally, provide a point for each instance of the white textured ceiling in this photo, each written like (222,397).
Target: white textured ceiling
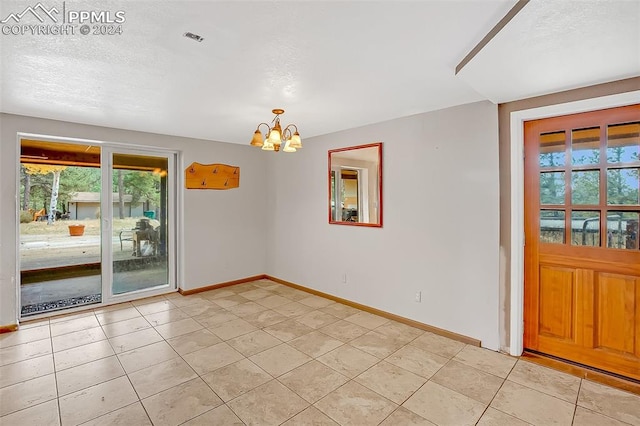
(553,45)
(331,65)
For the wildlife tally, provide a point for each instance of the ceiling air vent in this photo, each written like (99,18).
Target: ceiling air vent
(193,36)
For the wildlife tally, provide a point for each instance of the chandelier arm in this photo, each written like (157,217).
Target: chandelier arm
(288,129)
(292,125)
(268,127)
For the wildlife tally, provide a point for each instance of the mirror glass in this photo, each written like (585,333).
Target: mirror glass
(355,185)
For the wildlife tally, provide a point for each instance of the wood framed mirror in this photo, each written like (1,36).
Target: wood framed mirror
(355,185)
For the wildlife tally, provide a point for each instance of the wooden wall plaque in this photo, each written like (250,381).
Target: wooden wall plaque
(212,176)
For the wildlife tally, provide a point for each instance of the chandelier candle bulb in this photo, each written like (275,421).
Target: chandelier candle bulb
(289,138)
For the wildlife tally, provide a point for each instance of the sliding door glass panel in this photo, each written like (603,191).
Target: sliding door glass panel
(60,228)
(140,222)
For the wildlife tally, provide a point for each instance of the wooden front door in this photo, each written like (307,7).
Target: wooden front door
(582,258)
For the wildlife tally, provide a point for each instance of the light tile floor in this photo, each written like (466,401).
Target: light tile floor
(265,354)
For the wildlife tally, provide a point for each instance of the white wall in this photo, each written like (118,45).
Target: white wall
(441,218)
(224,231)
(441,221)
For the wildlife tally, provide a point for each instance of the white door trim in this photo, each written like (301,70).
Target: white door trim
(107,215)
(177,199)
(517,120)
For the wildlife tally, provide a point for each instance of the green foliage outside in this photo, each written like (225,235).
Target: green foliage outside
(621,189)
(141,185)
(25,216)
(622,184)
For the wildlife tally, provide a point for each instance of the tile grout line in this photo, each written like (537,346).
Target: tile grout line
(127,374)
(291,301)
(125,371)
(413,393)
(55,368)
(101,326)
(504,380)
(309,404)
(225,403)
(477,369)
(115,355)
(534,390)
(110,343)
(575,406)
(277,377)
(595,411)
(429,379)
(190,367)
(55,377)
(29,358)
(353,379)
(246,358)
(184,309)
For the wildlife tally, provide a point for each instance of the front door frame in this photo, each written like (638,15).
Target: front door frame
(517,119)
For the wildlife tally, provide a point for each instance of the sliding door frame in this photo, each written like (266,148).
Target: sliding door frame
(107,210)
(175,193)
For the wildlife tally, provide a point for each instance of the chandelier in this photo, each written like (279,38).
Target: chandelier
(276,137)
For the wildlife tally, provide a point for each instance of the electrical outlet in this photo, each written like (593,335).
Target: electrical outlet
(344,278)
(418,296)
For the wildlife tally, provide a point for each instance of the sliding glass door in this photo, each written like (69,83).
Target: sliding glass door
(141,221)
(60,244)
(97,223)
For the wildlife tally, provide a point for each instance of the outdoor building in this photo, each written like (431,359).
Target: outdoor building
(86,205)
